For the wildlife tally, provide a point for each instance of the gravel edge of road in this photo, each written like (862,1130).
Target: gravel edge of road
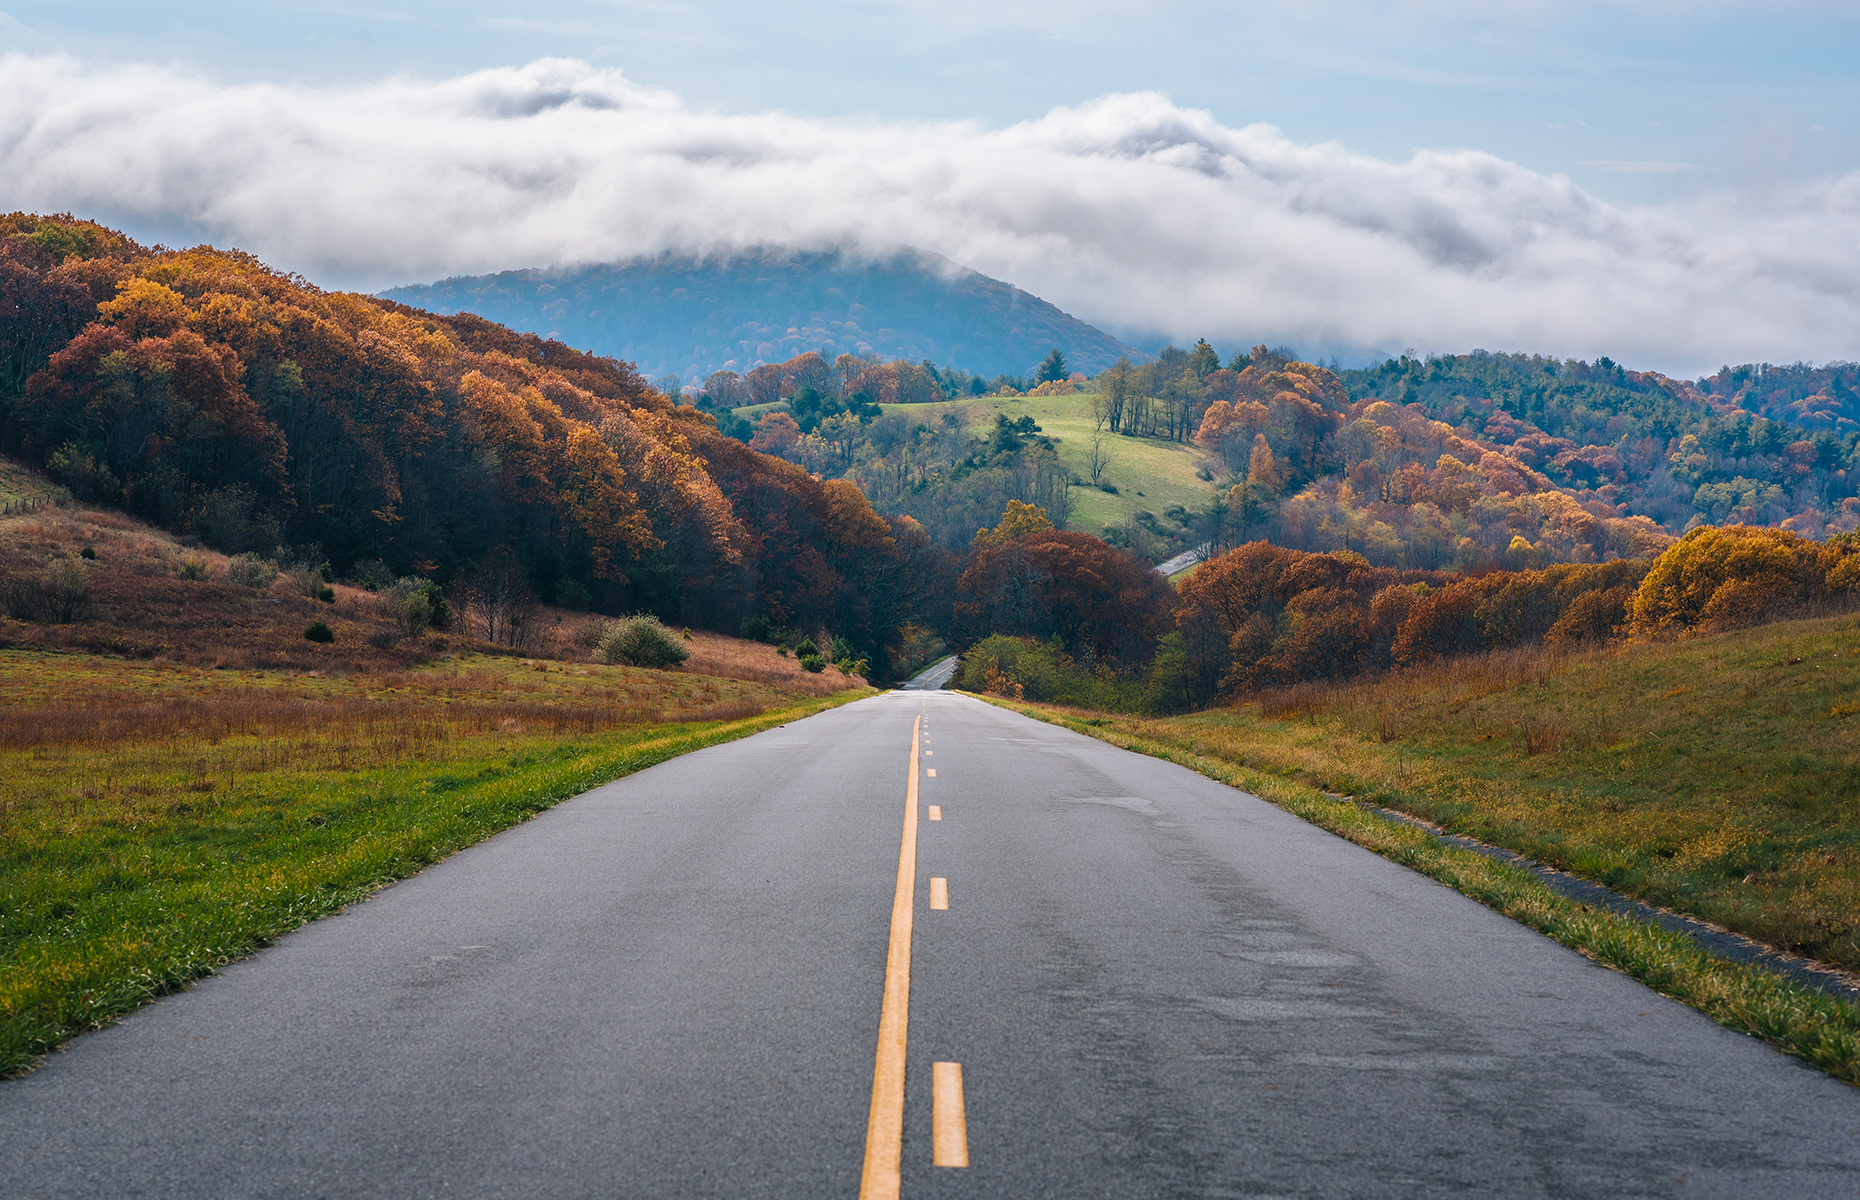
(1794,1017)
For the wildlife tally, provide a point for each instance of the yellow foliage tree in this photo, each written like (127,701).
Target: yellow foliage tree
(1017,521)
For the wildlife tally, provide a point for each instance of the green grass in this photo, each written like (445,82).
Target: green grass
(250,803)
(1150,474)
(1795,1019)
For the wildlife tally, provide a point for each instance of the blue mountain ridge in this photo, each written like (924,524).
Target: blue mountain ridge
(688,315)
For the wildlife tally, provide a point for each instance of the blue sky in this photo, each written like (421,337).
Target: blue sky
(1675,185)
(1635,101)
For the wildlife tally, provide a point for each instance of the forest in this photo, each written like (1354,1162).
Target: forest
(209,394)
(1354,521)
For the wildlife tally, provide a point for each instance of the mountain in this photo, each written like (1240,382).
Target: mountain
(690,316)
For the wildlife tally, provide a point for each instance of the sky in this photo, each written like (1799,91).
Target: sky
(1672,184)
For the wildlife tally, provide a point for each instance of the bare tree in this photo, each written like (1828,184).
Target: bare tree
(1098,460)
(498,604)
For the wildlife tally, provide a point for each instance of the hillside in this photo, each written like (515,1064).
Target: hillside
(210,395)
(688,316)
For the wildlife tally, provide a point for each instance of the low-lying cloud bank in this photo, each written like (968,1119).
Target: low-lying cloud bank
(1128,211)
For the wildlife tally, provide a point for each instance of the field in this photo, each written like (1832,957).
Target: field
(187,777)
(159,820)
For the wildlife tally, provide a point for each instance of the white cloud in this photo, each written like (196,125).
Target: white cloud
(1128,211)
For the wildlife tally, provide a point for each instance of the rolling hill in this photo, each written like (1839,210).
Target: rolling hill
(690,316)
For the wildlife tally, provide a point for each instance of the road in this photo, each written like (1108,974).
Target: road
(1187,558)
(1154,986)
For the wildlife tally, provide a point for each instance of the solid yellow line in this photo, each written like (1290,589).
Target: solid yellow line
(939,893)
(936,813)
(884,1127)
(949,1127)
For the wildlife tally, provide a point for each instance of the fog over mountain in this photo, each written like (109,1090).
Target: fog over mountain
(1130,210)
(688,315)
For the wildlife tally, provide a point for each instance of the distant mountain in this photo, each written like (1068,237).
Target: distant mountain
(684,315)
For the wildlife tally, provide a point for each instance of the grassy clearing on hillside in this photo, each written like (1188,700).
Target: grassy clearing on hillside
(160,820)
(1150,474)
(1718,776)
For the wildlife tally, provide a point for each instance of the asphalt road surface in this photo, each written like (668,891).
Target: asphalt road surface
(1144,984)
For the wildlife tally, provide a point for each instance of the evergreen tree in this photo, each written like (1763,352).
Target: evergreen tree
(1203,360)
(1053,367)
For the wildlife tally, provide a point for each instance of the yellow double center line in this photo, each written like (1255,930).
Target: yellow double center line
(884,1128)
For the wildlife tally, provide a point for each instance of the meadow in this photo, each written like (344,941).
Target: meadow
(159,820)
(1150,474)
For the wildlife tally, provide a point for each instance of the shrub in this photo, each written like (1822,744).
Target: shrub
(1024,668)
(249,570)
(757,628)
(641,641)
(319,632)
(326,594)
(805,647)
(65,591)
(813,662)
(414,605)
(59,594)
(193,567)
(372,575)
(89,552)
(19,596)
(306,578)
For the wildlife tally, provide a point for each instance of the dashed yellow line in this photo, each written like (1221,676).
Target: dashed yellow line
(936,812)
(949,1126)
(939,894)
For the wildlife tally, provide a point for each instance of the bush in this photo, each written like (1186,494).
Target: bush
(641,641)
(89,552)
(813,662)
(309,580)
(1023,668)
(326,594)
(249,570)
(414,605)
(319,632)
(805,647)
(19,596)
(64,591)
(372,575)
(757,629)
(193,567)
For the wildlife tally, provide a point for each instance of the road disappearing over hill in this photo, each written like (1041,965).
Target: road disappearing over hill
(1123,980)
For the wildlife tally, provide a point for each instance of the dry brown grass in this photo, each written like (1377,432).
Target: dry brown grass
(734,658)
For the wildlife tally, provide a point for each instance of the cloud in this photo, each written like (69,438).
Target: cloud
(1129,211)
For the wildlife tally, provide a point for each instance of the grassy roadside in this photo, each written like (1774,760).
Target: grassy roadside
(160,821)
(1793,1018)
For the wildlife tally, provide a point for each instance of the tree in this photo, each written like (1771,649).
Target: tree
(1098,460)
(1053,367)
(1203,361)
